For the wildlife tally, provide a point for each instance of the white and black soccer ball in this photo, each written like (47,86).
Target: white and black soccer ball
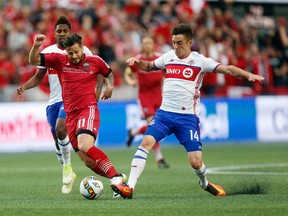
(91,187)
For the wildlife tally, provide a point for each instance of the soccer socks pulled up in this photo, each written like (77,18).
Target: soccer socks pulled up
(104,167)
(201,173)
(137,165)
(64,146)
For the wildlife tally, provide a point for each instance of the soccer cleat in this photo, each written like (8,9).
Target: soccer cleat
(67,174)
(214,189)
(67,188)
(123,189)
(162,164)
(124,179)
(130,138)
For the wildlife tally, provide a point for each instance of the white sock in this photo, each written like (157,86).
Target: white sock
(64,146)
(59,155)
(201,173)
(137,166)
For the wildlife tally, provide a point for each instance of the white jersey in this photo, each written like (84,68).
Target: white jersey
(183,80)
(54,84)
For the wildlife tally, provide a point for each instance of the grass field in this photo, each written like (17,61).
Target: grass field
(253,175)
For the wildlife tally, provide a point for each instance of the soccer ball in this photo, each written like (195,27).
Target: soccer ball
(91,187)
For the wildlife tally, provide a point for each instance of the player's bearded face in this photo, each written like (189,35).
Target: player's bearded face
(181,46)
(75,53)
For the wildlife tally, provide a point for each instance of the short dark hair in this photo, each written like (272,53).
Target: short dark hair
(184,29)
(72,39)
(62,20)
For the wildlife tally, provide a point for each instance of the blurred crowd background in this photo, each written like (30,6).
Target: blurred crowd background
(252,36)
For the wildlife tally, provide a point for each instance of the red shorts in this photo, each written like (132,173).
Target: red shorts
(85,119)
(149,102)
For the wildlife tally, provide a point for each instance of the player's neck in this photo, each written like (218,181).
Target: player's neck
(60,47)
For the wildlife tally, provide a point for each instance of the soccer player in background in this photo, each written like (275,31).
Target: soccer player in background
(78,76)
(185,71)
(55,113)
(149,95)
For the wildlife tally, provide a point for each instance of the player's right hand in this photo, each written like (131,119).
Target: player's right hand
(39,39)
(132,61)
(20,90)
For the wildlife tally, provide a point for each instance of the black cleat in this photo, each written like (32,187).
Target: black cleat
(162,164)
(130,138)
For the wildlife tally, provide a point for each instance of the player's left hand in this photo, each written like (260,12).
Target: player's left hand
(107,93)
(254,77)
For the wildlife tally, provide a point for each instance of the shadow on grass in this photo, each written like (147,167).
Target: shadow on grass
(254,188)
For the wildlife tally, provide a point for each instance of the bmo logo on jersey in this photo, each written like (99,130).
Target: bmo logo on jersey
(185,72)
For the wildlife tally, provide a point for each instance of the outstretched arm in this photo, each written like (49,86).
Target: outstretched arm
(143,64)
(238,72)
(34,57)
(110,85)
(32,82)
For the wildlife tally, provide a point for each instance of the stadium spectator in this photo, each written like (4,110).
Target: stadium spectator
(178,113)
(149,95)
(112,20)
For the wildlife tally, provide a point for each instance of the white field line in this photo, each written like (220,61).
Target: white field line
(236,170)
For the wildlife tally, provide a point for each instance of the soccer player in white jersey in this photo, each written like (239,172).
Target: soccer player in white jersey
(55,113)
(185,71)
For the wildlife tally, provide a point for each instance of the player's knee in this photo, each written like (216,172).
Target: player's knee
(61,132)
(148,142)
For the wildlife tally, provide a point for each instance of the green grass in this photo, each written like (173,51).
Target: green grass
(30,184)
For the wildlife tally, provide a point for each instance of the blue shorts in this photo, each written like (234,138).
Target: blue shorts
(184,126)
(53,112)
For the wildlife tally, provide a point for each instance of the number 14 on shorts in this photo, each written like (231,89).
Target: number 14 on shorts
(194,135)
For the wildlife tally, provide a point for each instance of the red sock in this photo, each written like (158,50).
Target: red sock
(156,146)
(142,129)
(104,167)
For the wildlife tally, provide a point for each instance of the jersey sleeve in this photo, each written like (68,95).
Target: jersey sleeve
(52,60)
(104,68)
(208,64)
(160,61)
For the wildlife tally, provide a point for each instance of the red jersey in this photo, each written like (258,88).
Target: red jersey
(148,80)
(78,81)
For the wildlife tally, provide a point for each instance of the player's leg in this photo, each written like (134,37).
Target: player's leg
(63,139)
(162,164)
(152,135)
(64,144)
(51,115)
(188,133)
(85,127)
(195,159)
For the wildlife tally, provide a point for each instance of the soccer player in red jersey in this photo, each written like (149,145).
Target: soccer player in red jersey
(149,95)
(78,75)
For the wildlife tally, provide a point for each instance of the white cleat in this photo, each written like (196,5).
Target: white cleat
(67,188)
(118,180)
(67,174)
